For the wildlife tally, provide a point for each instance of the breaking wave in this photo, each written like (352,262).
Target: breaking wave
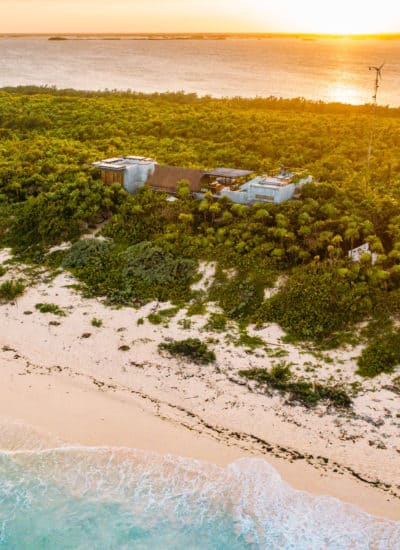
(117,498)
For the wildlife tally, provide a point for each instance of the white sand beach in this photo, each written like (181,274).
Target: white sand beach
(109,385)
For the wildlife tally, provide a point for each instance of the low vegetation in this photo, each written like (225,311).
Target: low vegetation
(217,322)
(50,308)
(191,348)
(307,393)
(381,355)
(162,316)
(250,342)
(318,301)
(10,290)
(130,275)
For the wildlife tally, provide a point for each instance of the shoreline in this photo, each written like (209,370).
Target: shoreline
(113,388)
(79,411)
(97,418)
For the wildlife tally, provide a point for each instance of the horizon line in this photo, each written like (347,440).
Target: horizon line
(206,33)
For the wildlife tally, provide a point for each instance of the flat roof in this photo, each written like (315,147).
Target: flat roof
(121,163)
(230,173)
(271,181)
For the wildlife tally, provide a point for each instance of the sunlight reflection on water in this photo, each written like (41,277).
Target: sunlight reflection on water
(328,70)
(343,93)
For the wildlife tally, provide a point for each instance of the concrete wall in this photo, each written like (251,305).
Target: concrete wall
(238,197)
(136,176)
(260,193)
(277,195)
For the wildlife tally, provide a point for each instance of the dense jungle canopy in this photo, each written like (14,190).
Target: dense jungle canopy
(50,194)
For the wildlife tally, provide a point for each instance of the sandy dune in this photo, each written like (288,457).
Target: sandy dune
(64,376)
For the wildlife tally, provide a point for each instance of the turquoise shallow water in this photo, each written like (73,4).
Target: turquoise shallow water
(107,498)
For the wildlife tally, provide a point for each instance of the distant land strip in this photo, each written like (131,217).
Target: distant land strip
(199,36)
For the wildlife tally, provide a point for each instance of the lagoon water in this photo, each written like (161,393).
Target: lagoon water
(321,69)
(107,498)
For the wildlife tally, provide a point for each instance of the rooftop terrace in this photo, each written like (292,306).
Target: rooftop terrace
(121,163)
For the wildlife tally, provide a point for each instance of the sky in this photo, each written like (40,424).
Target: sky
(130,16)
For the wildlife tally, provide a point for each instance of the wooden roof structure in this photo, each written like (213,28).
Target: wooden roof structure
(228,173)
(166,178)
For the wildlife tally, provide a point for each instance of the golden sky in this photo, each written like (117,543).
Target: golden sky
(125,16)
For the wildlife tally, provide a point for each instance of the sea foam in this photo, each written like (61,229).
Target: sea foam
(117,498)
(77,497)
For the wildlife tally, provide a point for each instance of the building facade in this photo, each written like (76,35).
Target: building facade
(274,189)
(129,172)
(132,173)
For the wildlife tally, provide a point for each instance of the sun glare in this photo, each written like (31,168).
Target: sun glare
(344,93)
(343,17)
(344,21)
(340,17)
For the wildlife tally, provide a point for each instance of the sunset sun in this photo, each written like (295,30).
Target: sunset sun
(342,17)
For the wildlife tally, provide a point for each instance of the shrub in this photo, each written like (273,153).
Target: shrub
(163,315)
(60,214)
(380,356)
(316,303)
(9,290)
(3,270)
(307,393)
(239,297)
(134,275)
(191,348)
(168,312)
(196,308)
(87,252)
(250,342)
(149,272)
(155,318)
(55,259)
(50,308)
(96,322)
(216,322)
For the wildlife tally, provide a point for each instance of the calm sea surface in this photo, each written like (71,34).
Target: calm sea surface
(330,70)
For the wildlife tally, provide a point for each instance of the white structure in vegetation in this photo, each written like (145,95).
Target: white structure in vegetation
(134,172)
(358,252)
(130,172)
(275,189)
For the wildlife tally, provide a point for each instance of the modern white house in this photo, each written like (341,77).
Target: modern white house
(275,189)
(134,172)
(130,172)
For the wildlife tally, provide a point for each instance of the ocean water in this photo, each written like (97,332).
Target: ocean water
(116,498)
(323,69)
